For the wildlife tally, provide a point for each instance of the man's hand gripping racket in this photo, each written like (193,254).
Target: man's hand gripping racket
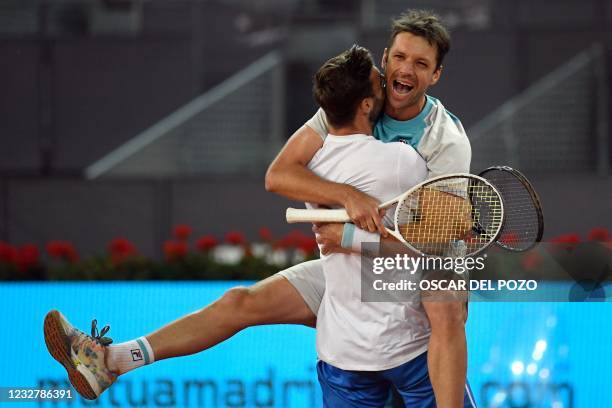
(433,216)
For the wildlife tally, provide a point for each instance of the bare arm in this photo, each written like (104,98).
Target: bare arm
(289,177)
(329,237)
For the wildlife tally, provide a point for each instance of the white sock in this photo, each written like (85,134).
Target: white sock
(127,356)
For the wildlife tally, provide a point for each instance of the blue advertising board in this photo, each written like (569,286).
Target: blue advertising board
(520,354)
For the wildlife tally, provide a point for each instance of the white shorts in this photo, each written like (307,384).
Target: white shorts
(309,281)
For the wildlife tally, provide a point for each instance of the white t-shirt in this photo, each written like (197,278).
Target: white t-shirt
(355,335)
(436,134)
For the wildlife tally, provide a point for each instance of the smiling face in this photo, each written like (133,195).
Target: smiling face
(410,67)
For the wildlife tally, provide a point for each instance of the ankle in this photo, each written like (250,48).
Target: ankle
(125,357)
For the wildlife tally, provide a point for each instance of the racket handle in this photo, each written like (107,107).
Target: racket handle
(300,215)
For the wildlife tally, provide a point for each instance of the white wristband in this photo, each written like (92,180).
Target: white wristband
(353,237)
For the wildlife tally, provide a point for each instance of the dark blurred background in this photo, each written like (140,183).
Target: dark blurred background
(134,139)
(126,117)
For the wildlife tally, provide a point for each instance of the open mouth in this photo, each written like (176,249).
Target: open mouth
(402,88)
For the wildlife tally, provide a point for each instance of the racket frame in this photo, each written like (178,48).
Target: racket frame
(433,180)
(294,215)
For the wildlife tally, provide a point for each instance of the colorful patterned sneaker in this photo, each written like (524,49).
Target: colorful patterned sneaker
(81,355)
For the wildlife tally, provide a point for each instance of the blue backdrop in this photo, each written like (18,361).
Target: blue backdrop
(520,354)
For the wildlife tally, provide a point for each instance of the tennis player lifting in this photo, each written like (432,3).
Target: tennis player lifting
(412,62)
(364,348)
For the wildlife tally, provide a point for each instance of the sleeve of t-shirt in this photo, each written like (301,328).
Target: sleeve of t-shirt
(411,168)
(447,151)
(318,123)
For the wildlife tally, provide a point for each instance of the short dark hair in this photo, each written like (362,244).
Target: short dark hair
(342,83)
(423,24)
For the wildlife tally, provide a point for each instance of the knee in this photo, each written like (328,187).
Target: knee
(236,299)
(446,316)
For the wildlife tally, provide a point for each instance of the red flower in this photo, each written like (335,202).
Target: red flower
(566,239)
(599,234)
(265,234)
(294,239)
(297,237)
(531,260)
(309,245)
(235,238)
(62,250)
(70,253)
(509,238)
(206,243)
(566,242)
(8,253)
(182,232)
(121,250)
(28,256)
(284,243)
(55,249)
(121,246)
(181,249)
(174,250)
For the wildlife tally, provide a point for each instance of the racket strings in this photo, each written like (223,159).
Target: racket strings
(445,214)
(522,227)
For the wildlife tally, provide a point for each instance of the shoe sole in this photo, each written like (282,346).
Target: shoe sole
(59,348)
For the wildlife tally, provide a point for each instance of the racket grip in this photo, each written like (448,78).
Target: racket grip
(294,215)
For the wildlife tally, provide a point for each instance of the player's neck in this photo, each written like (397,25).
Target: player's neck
(358,127)
(346,131)
(408,112)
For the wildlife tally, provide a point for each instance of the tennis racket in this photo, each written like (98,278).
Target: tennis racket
(434,216)
(524,220)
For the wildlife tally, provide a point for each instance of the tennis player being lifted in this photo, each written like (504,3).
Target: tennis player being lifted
(412,63)
(364,348)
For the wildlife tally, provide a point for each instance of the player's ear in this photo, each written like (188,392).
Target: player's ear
(366,105)
(436,75)
(383,62)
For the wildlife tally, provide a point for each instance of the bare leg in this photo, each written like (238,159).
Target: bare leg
(272,301)
(447,355)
